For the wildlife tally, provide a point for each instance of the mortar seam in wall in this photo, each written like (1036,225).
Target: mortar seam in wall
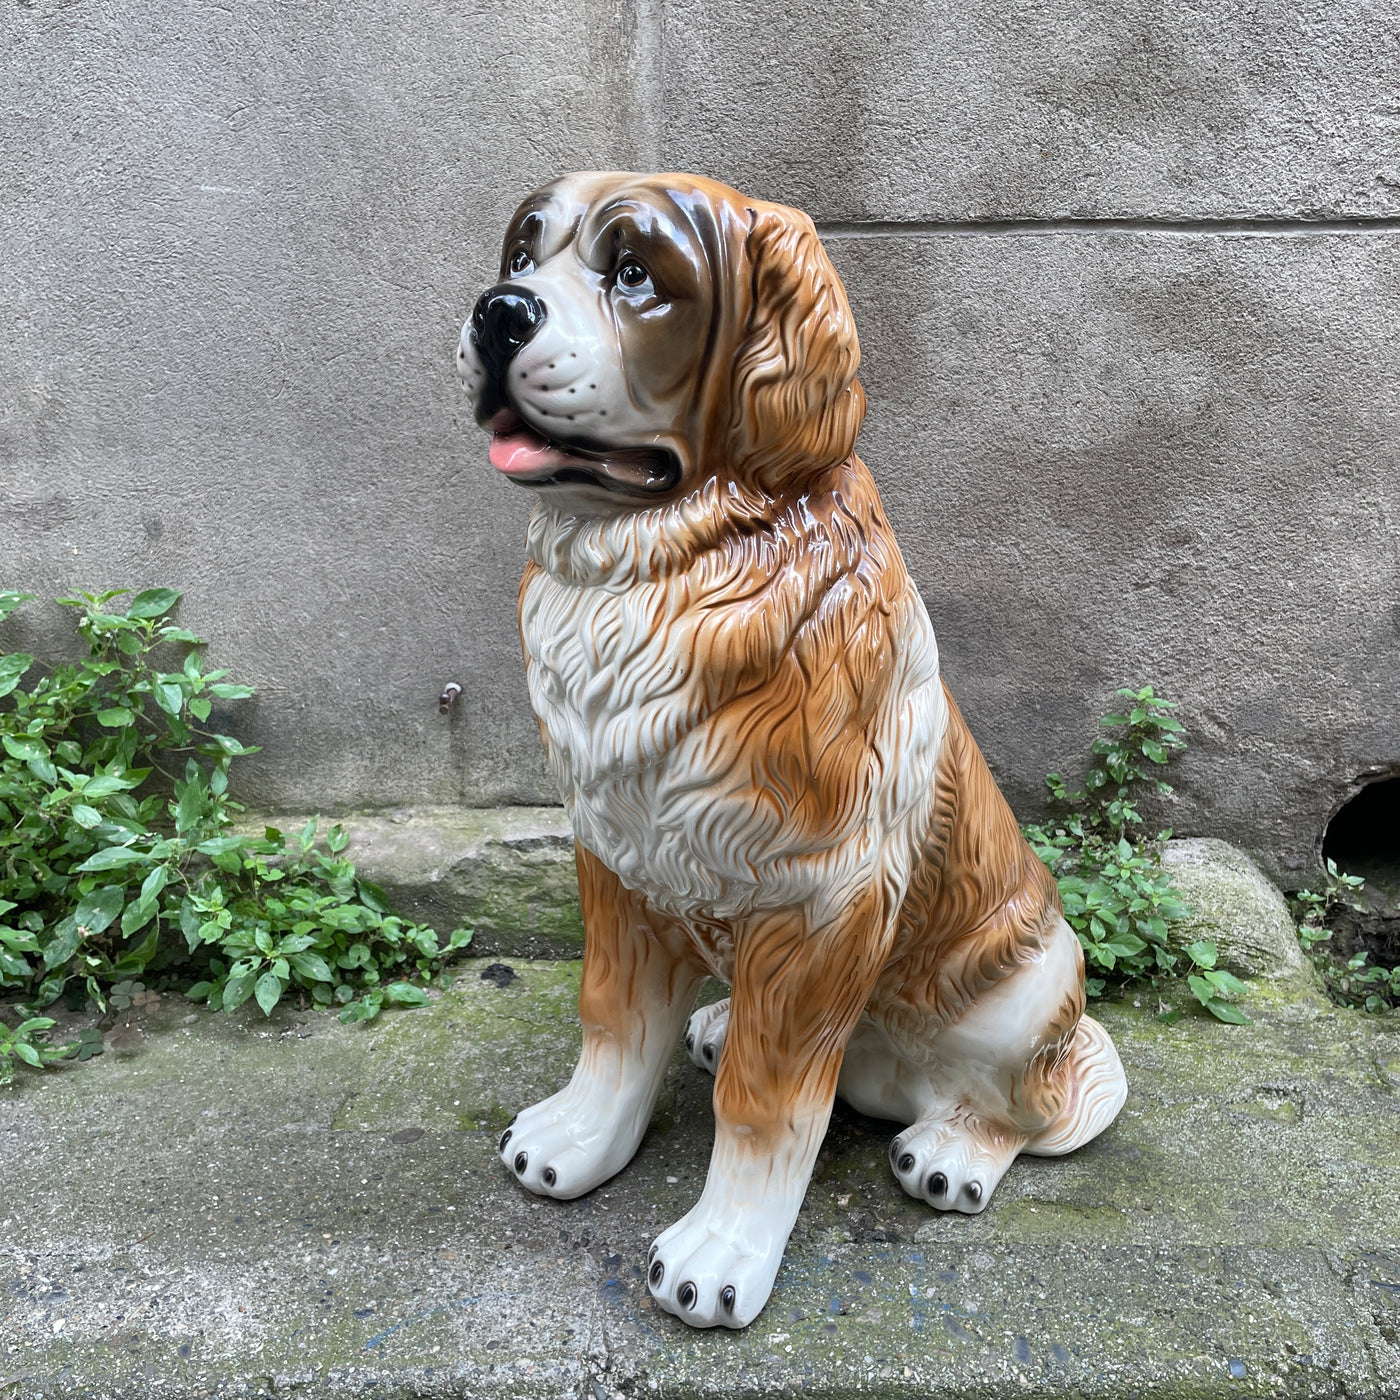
(965,228)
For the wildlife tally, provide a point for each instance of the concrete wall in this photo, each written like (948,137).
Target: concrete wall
(1127,284)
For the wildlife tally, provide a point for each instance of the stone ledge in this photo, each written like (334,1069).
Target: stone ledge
(508,873)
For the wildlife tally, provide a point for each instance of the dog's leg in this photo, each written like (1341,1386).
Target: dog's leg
(1021,1070)
(704,1035)
(639,980)
(797,992)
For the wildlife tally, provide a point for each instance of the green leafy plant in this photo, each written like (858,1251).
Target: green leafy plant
(1351,981)
(26,1044)
(118,857)
(1116,895)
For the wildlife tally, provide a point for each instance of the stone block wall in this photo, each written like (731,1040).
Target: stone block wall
(1127,279)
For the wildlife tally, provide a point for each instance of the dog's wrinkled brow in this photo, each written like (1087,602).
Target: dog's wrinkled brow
(657,229)
(543,225)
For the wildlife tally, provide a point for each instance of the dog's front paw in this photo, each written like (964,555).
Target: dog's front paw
(568,1144)
(715,1272)
(952,1164)
(704,1035)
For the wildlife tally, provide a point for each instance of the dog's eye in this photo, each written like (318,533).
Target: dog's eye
(520,263)
(632,275)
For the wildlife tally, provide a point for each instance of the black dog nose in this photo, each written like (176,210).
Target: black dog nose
(506,317)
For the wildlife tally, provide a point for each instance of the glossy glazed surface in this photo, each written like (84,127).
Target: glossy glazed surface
(738,689)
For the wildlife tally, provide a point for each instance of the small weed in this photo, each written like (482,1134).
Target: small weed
(120,874)
(1116,895)
(1352,981)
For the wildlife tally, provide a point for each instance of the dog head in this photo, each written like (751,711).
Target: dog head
(653,332)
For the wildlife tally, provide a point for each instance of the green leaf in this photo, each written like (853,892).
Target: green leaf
(155,882)
(169,697)
(96,911)
(10,600)
(114,858)
(237,990)
(12,667)
(1202,953)
(1223,1011)
(366,1009)
(1202,989)
(1228,983)
(312,966)
(86,817)
(30,1055)
(115,718)
(268,991)
(104,785)
(153,602)
(63,943)
(137,915)
(200,709)
(199,991)
(405,994)
(225,691)
(24,747)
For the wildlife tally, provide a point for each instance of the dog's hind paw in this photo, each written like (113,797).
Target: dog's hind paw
(953,1164)
(704,1035)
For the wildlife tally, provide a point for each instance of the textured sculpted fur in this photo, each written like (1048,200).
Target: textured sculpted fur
(739,694)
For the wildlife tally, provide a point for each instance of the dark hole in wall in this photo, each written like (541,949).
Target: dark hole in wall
(1364,839)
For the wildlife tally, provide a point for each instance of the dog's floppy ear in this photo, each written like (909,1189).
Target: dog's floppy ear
(795,402)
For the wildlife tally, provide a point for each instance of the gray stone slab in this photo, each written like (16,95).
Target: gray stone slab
(931,110)
(249,1206)
(506,873)
(1137,458)
(239,245)
(1233,903)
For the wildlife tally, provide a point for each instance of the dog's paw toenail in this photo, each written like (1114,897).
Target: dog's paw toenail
(522,1160)
(687,1295)
(906,1162)
(658,1272)
(505,1138)
(973,1191)
(549,1177)
(937,1184)
(726,1297)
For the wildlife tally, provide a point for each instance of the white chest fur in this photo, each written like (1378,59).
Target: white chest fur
(663,782)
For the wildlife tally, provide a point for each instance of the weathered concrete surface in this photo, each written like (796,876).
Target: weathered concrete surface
(238,1205)
(1233,903)
(1139,458)
(932,110)
(240,242)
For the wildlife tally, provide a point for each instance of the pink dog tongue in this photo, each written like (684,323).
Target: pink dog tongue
(519,451)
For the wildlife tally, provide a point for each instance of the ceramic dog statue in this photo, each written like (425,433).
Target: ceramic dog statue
(738,690)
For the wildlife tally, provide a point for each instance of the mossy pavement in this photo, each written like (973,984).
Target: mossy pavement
(234,1205)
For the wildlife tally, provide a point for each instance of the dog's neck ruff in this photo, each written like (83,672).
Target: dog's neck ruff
(637,546)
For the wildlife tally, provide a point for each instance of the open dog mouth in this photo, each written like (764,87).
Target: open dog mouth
(527,456)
